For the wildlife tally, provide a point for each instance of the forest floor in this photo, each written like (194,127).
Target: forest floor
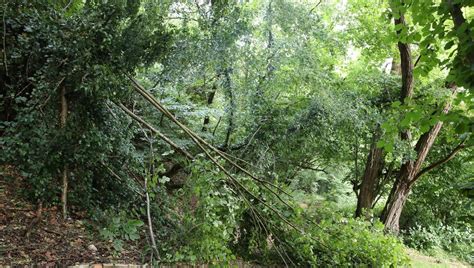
(29,235)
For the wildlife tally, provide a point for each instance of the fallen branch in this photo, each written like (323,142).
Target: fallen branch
(201,143)
(148,212)
(197,139)
(154,130)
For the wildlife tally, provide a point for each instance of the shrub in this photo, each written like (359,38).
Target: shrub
(352,242)
(118,227)
(457,241)
(210,217)
(329,240)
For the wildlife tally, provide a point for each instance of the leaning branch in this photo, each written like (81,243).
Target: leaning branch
(197,139)
(201,143)
(448,157)
(154,130)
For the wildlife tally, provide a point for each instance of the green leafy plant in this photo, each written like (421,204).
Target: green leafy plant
(457,241)
(334,240)
(211,217)
(119,229)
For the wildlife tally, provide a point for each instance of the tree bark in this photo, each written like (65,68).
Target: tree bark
(372,174)
(62,124)
(396,203)
(409,174)
(230,116)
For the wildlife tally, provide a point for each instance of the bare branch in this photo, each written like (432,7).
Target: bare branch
(161,135)
(201,143)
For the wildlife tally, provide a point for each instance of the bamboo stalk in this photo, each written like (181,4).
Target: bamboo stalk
(154,130)
(201,143)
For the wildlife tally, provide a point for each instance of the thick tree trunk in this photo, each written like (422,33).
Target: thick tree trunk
(370,180)
(408,175)
(395,205)
(370,184)
(401,188)
(62,124)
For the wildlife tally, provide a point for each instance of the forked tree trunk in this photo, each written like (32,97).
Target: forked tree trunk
(62,124)
(375,163)
(408,175)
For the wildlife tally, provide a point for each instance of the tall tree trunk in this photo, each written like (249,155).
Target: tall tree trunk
(62,124)
(230,114)
(401,188)
(372,174)
(368,188)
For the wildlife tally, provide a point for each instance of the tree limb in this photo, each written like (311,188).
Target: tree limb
(448,157)
(312,168)
(147,198)
(201,143)
(162,136)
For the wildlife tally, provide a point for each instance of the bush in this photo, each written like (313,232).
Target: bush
(351,242)
(457,241)
(329,240)
(118,227)
(211,213)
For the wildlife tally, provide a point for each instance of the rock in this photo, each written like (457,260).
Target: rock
(92,248)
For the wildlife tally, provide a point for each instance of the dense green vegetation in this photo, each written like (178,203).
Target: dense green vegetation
(298,133)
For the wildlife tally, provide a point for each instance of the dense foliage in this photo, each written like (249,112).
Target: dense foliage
(300,106)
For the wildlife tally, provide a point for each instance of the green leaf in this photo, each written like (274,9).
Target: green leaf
(117,244)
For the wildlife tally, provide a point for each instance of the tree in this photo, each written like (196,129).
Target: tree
(411,169)
(65,61)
